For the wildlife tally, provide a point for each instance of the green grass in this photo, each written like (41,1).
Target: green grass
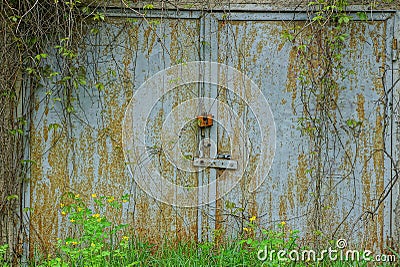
(138,253)
(97,241)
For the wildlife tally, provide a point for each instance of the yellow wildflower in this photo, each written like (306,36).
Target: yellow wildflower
(72,220)
(94,195)
(77,196)
(125,238)
(96,215)
(93,245)
(79,209)
(283,223)
(124,200)
(110,199)
(62,205)
(252,219)
(74,243)
(63,213)
(246,229)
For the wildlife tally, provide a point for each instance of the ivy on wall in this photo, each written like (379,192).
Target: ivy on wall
(36,33)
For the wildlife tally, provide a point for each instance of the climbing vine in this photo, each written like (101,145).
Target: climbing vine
(31,31)
(322,44)
(40,46)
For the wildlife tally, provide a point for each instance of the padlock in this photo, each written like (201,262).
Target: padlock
(204,121)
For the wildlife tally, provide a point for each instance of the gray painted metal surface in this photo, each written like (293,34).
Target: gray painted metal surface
(87,157)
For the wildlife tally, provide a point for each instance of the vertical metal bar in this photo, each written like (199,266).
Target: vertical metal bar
(396,126)
(200,174)
(26,102)
(212,55)
(208,176)
(391,129)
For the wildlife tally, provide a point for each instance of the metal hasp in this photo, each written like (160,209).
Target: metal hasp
(215,163)
(204,121)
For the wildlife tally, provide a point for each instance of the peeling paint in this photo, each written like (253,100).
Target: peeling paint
(86,156)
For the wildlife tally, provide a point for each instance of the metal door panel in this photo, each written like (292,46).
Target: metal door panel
(85,154)
(88,157)
(255,47)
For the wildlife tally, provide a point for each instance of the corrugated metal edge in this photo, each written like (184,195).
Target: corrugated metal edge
(245,14)
(236,5)
(395,197)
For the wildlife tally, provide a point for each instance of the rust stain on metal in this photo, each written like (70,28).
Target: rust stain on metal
(378,46)
(291,82)
(356,35)
(360,107)
(283,207)
(301,176)
(378,160)
(290,185)
(93,162)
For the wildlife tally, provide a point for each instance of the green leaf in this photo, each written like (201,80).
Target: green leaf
(342,37)
(11,197)
(148,6)
(66,78)
(99,16)
(317,18)
(16,131)
(94,31)
(14,18)
(362,16)
(30,70)
(82,80)
(133,263)
(99,86)
(344,19)
(54,73)
(54,126)
(27,209)
(302,47)
(86,10)
(28,161)
(105,253)
(351,123)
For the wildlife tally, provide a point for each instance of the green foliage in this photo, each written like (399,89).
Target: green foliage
(241,251)
(148,7)
(3,252)
(97,240)
(362,16)
(98,16)
(65,50)
(321,45)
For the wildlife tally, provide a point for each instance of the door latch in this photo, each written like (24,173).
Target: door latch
(216,163)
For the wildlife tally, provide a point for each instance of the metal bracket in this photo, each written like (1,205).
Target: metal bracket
(215,163)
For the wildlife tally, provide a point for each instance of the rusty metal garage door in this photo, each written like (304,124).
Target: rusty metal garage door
(356,172)
(130,54)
